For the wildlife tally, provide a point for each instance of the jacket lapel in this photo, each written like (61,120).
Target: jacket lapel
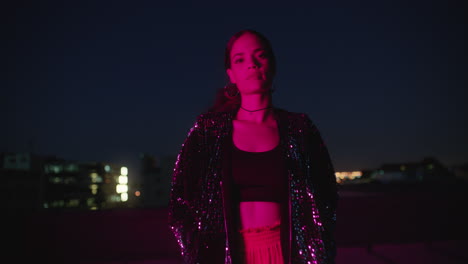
(285,234)
(231,208)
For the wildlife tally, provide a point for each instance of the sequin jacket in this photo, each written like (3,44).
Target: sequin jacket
(203,212)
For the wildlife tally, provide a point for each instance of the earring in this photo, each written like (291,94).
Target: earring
(231,91)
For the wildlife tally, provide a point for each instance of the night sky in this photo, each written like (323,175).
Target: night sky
(108,80)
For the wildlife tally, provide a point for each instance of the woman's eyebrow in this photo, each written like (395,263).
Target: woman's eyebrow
(242,53)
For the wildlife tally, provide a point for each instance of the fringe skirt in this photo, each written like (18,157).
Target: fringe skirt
(262,245)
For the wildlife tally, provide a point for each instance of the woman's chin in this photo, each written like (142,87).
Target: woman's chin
(257,84)
(255,89)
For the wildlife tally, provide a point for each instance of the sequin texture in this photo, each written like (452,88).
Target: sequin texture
(196,208)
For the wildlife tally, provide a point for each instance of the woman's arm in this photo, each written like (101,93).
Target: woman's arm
(182,215)
(324,183)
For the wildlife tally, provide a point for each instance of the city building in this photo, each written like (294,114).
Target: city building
(427,170)
(157,175)
(34,182)
(22,179)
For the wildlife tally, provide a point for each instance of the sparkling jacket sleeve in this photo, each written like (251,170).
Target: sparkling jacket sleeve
(187,169)
(326,186)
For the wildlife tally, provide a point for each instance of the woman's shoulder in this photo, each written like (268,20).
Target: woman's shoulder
(213,117)
(296,119)
(213,120)
(221,118)
(214,114)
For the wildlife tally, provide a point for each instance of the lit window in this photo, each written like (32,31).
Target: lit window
(121,188)
(123,179)
(124,197)
(124,171)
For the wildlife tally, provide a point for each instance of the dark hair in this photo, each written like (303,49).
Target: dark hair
(224,103)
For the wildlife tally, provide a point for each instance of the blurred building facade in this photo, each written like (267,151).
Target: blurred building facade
(156,172)
(22,178)
(427,170)
(34,182)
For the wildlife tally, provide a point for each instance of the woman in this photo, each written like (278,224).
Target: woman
(253,183)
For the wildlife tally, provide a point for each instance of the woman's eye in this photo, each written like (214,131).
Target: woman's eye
(263,55)
(238,60)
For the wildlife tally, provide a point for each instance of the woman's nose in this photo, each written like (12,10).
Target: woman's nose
(254,64)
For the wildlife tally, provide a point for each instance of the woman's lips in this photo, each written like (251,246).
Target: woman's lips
(255,76)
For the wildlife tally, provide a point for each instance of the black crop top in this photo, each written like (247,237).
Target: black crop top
(259,176)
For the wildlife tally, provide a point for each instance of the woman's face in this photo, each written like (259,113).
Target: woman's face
(250,65)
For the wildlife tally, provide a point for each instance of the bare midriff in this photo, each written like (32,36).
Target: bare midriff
(257,138)
(258,214)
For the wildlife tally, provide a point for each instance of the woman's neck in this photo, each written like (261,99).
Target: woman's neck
(256,108)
